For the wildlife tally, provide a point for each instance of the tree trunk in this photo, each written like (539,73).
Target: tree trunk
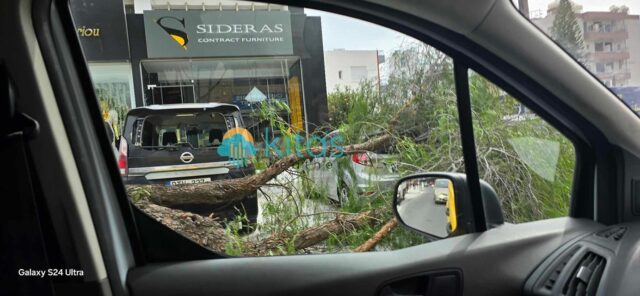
(208,232)
(279,244)
(340,225)
(236,189)
(384,231)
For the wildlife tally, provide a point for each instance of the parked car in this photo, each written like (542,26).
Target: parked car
(177,144)
(360,173)
(441,191)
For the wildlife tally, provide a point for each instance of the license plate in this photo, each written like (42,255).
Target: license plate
(188,181)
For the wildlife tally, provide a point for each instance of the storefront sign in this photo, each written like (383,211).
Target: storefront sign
(217,33)
(88,32)
(101,26)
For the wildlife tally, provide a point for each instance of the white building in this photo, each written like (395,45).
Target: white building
(348,68)
(611,42)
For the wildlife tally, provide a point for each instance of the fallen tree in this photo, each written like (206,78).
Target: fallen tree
(376,238)
(399,111)
(236,189)
(280,243)
(209,232)
(206,231)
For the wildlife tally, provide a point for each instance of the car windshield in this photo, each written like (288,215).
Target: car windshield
(603,35)
(193,129)
(442,183)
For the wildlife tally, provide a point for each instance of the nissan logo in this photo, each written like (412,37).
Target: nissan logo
(186,157)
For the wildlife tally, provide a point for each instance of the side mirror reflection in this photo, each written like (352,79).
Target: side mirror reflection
(427,204)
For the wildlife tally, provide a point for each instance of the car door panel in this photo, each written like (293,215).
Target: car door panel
(518,248)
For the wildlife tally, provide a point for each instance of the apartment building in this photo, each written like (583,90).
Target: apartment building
(611,42)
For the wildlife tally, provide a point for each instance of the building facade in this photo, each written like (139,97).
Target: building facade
(349,68)
(144,52)
(611,43)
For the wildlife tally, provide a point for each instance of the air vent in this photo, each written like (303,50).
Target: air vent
(586,276)
(615,233)
(551,280)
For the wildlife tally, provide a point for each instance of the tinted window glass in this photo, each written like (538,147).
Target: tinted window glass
(199,130)
(528,162)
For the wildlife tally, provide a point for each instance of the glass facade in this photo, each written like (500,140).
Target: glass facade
(113,80)
(247,83)
(244,82)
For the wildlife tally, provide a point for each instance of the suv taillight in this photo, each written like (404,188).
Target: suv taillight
(122,158)
(361,158)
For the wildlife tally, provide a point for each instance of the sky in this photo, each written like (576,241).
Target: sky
(340,32)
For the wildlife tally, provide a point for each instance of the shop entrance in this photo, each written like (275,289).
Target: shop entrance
(248,83)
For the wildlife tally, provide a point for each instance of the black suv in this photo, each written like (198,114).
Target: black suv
(177,144)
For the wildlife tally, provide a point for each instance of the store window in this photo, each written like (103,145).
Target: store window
(113,80)
(244,82)
(113,83)
(247,83)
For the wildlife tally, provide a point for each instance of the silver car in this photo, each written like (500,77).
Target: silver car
(356,174)
(441,191)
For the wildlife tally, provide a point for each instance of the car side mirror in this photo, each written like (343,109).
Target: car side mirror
(437,204)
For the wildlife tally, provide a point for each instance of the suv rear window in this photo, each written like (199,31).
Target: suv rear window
(193,129)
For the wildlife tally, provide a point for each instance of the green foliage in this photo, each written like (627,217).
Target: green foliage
(566,30)
(428,136)
(235,244)
(138,194)
(526,192)
(418,108)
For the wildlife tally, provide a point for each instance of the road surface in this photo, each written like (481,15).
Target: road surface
(419,211)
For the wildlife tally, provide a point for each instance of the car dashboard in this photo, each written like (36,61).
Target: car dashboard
(605,262)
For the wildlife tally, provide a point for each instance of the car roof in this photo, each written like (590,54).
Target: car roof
(144,110)
(203,106)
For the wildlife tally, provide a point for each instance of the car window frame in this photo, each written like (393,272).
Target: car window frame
(459,48)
